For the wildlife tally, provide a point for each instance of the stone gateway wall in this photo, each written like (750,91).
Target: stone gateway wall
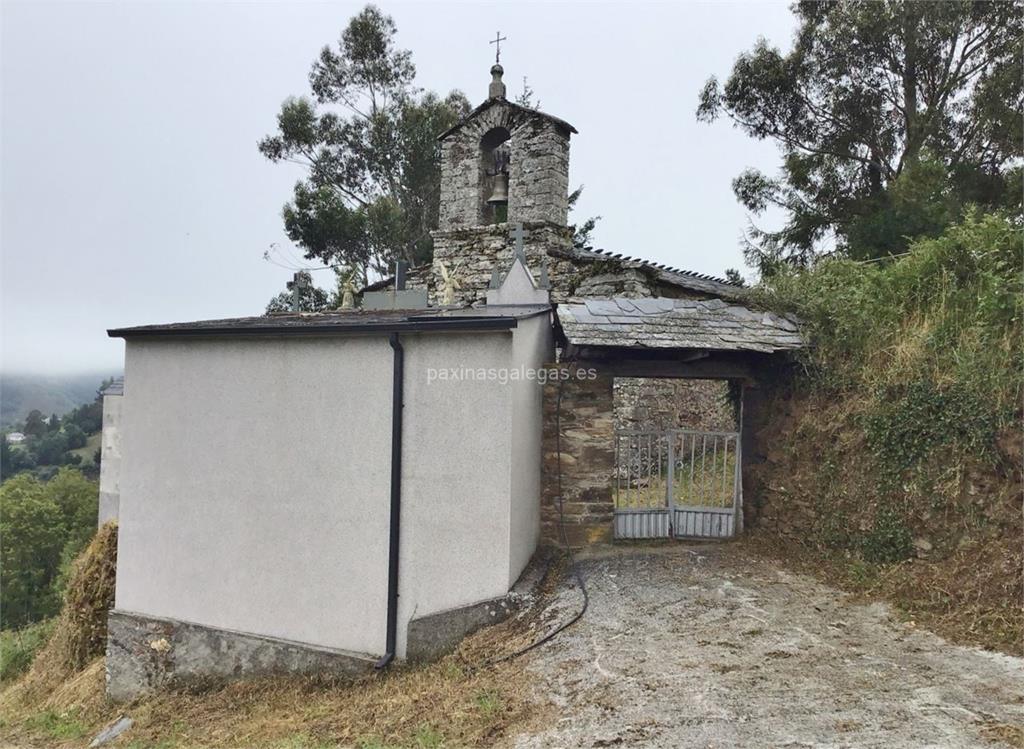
(587,459)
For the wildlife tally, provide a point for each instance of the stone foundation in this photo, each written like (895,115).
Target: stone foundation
(146,653)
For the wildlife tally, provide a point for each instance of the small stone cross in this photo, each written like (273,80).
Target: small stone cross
(497,40)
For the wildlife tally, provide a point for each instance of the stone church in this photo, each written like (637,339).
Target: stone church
(481,208)
(332,491)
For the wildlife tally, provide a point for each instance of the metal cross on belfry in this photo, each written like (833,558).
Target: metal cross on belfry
(497,40)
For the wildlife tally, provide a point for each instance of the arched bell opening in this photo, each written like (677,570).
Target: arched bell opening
(495,157)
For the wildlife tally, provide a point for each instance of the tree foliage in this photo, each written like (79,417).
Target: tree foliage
(35,424)
(89,416)
(44,526)
(890,116)
(581,233)
(368,141)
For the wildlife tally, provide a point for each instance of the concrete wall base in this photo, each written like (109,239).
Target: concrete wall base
(146,653)
(435,635)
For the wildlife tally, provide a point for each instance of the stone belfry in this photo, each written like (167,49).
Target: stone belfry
(501,166)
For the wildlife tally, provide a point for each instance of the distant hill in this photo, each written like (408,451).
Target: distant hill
(51,394)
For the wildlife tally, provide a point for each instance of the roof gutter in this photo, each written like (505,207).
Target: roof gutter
(397,404)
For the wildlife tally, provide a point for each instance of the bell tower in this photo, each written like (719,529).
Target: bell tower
(502,166)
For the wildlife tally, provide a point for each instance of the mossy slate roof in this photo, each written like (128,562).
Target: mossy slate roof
(659,323)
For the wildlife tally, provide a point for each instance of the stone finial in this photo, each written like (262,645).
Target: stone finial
(497,89)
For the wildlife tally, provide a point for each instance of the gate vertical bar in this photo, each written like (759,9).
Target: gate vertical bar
(737,500)
(670,482)
(690,498)
(618,474)
(703,470)
(725,471)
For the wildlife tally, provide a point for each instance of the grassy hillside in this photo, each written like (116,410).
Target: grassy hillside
(91,446)
(50,394)
(895,449)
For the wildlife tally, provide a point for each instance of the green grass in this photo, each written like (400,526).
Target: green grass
(19,646)
(428,737)
(707,483)
(489,702)
(57,725)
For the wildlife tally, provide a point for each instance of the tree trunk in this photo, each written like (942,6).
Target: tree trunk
(914,138)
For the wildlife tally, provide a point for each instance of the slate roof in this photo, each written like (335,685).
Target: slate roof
(349,322)
(683,279)
(512,105)
(709,324)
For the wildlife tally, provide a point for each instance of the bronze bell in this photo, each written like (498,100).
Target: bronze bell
(499,189)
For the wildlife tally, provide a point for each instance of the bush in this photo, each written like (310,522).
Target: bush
(943,320)
(925,353)
(889,541)
(949,311)
(79,632)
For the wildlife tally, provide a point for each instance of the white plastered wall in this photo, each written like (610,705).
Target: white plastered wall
(255,483)
(254,487)
(110,459)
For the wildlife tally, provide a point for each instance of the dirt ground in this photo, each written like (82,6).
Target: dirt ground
(709,646)
(688,646)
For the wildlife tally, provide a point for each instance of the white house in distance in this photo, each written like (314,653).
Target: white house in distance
(330,491)
(15,438)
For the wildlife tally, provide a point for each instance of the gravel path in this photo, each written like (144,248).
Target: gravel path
(707,646)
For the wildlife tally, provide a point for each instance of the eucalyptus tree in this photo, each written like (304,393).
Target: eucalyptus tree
(890,117)
(367,139)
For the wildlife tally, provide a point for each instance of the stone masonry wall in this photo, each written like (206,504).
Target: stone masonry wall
(650,403)
(600,283)
(538,169)
(587,460)
(475,253)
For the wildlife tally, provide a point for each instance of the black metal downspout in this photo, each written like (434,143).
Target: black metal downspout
(397,404)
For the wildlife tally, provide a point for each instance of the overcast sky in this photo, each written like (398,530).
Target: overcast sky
(133,193)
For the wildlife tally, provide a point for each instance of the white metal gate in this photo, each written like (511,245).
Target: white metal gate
(677,483)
